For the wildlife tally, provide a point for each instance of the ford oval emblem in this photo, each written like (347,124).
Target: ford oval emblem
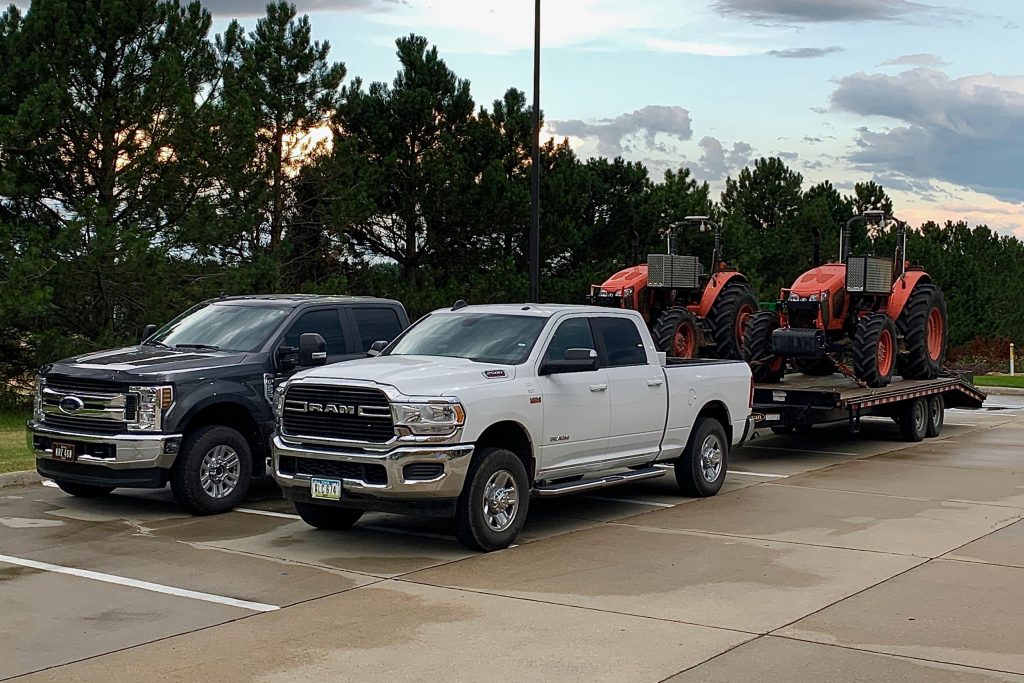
(70,405)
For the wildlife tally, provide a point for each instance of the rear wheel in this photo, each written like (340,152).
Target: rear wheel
(757,348)
(874,349)
(701,470)
(491,511)
(327,517)
(675,333)
(914,419)
(817,367)
(936,415)
(923,326)
(83,490)
(728,318)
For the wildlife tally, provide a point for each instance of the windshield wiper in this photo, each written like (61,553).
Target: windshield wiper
(200,347)
(155,343)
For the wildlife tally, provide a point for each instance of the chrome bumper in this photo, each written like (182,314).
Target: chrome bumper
(448,485)
(131,451)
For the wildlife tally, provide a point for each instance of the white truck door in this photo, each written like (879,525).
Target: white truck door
(576,404)
(639,392)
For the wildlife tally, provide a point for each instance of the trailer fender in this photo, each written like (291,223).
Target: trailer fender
(717,282)
(902,290)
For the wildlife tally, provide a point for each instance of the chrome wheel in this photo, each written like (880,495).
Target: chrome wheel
(220,471)
(711,458)
(501,501)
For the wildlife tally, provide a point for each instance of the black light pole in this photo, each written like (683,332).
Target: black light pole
(535,168)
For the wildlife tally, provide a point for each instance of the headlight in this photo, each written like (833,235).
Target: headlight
(153,404)
(37,398)
(278,402)
(824,295)
(628,291)
(435,417)
(812,297)
(793,296)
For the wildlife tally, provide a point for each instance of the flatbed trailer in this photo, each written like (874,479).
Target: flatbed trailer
(800,401)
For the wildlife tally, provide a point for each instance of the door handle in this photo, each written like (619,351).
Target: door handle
(598,387)
(655,382)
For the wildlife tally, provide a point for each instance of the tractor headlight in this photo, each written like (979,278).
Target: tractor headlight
(433,417)
(812,297)
(628,291)
(824,295)
(793,296)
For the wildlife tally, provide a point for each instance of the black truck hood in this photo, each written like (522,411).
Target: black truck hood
(147,364)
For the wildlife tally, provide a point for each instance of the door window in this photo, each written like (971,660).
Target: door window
(571,334)
(325,323)
(376,324)
(622,342)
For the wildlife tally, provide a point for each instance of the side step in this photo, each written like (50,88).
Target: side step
(568,487)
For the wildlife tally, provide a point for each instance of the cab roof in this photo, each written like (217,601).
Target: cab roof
(299,299)
(538,310)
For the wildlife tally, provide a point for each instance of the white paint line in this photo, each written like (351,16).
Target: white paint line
(133,583)
(267,513)
(959,424)
(759,474)
(51,484)
(798,450)
(634,501)
(371,527)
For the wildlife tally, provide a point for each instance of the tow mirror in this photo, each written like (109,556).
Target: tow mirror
(147,332)
(312,350)
(574,360)
(376,347)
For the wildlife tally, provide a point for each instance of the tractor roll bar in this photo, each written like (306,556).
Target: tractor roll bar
(874,216)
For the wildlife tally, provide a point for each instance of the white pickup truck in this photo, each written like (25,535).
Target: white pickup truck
(474,409)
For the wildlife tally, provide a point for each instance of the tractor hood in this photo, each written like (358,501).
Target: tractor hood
(635,277)
(830,278)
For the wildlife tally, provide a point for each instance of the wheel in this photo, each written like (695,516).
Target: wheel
(728,318)
(936,415)
(83,490)
(817,367)
(212,471)
(923,326)
(675,333)
(914,419)
(701,469)
(874,349)
(495,498)
(327,517)
(757,348)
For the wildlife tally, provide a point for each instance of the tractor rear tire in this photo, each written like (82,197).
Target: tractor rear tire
(757,348)
(675,333)
(874,350)
(923,326)
(728,318)
(816,367)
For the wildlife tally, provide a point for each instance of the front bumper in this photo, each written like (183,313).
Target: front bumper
(109,451)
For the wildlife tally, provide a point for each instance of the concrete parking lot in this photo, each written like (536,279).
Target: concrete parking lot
(826,557)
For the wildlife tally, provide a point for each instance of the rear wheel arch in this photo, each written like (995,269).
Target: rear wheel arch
(720,412)
(514,437)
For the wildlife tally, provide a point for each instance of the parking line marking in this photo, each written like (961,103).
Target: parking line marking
(634,501)
(134,583)
(759,474)
(51,484)
(798,450)
(267,513)
(960,424)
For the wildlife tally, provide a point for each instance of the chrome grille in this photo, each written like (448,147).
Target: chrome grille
(104,409)
(344,413)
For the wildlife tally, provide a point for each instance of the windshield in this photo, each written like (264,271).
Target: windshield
(482,337)
(223,327)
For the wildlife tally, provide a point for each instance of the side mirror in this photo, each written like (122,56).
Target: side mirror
(376,347)
(312,350)
(147,332)
(574,360)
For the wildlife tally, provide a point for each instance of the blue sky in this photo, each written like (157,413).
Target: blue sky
(925,98)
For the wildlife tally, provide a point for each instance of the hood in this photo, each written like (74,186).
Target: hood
(415,375)
(144,363)
(635,277)
(830,278)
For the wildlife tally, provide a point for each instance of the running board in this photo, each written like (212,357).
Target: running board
(568,487)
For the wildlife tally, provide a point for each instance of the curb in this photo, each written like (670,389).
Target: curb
(1002,391)
(19,478)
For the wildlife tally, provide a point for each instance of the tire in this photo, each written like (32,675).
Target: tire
(675,333)
(816,367)
(327,517)
(874,350)
(728,318)
(701,470)
(936,415)
(83,490)
(222,456)
(923,326)
(757,348)
(492,509)
(914,419)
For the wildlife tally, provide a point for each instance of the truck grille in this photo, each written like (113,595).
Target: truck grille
(105,407)
(309,467)
(345,413)
(77,385)
(86,425)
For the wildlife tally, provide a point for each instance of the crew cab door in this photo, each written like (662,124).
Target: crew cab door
(638,390)
(576,404)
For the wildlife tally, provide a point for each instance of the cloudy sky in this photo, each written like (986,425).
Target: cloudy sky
(924,98)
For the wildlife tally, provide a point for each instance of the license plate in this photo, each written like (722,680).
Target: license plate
(772,417)
(64,451)
(325,489)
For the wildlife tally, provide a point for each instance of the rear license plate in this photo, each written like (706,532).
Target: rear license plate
(325,489)
(64,451)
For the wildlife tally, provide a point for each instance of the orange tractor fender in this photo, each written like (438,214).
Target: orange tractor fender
(715,285)
(902,289)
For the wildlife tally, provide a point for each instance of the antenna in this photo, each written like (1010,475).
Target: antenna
(459,304)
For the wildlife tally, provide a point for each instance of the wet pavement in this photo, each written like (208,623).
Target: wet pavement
(826,557)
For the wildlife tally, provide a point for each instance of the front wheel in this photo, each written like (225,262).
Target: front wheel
(757,348)
(212,471)
(675,333)
(327,517)
(491,511)
(82,490)
(701,470)
(874,350)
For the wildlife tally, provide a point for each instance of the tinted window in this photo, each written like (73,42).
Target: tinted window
(482,337)
(622,341)
(572,334)
(376,324)
(325,323)
(225,326)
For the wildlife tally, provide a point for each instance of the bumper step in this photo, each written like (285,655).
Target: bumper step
(568,487)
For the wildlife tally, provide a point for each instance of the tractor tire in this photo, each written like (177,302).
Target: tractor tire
(816,367)
(757,348)
(728,318)
(675,333)
(874,350)
(923,326)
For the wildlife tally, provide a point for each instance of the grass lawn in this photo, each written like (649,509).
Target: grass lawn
(14,456)
(1016,381)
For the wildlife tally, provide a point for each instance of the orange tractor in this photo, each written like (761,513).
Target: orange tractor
(691,313)
(889,316)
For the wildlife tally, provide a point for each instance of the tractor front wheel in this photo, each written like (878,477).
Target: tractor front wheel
(923,326)
(675,333)
(729,316)
(757,348)
(874,349)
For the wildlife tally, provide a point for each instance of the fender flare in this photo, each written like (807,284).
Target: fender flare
(902,289)
(716,284)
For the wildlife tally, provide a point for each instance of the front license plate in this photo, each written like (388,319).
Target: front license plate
(325,489)
(64,451)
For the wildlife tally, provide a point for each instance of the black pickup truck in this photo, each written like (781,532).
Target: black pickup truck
(191,404)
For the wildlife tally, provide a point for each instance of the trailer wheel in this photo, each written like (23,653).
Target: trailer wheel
(728,318)
(757,348)
(701,470)
(914,419)
(936,415)
(874,349)
(675,333)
